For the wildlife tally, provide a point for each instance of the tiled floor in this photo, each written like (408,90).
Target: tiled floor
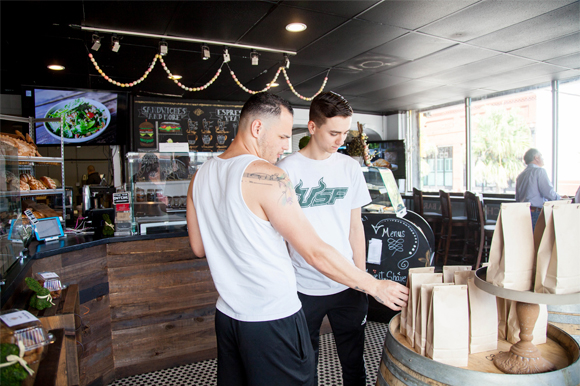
(329,372)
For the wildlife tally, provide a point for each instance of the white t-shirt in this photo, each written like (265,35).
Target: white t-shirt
(247,257)
(327,191)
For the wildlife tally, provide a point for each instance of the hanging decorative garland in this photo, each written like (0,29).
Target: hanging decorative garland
(212,80)
(141,79)
(251,91)
(296,93)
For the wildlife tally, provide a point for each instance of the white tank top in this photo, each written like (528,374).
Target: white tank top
(248,258)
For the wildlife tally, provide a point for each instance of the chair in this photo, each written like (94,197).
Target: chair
(433,218)
(478,232)
(448,224)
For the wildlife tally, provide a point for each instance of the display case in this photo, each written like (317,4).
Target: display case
(384,191)
(158,183)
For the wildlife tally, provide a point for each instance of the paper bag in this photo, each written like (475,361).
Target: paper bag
(461,277)
(558,261)
(540,329)
(448,326)
(503,309)
(542,220)
(404,310)
(422,315)
(482,318)
(449,271)
(512,255)
(416,280)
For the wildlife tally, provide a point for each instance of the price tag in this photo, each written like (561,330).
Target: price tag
(16,318)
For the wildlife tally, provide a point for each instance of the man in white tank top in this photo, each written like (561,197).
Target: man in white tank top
(331,190)
(240,208)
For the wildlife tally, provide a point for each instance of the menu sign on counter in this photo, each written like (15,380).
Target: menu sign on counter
(204,126)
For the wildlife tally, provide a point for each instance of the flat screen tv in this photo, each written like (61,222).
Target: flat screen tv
(92,117)
(392,151)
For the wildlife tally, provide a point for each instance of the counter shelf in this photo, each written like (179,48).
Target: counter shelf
(523,357)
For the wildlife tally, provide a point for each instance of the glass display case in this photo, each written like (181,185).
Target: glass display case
(158,183)
(384,191)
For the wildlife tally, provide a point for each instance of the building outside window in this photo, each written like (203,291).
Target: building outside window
(441,170)
(568,139)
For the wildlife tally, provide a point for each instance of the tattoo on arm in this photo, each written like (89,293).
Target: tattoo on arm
(360,289)
(380,300)
(284,183)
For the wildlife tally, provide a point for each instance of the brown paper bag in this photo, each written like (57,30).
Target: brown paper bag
(540,328)
(503,309)
(461,277)
(416,280)
(404,310)
(448,326)
(558,262)
(482,318)
(512,255)
(449,271)
(422,315)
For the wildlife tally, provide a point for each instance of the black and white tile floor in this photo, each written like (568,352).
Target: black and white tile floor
(329,372)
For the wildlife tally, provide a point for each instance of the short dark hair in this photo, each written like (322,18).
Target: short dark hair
(265,104)
(329,105)
(530,155)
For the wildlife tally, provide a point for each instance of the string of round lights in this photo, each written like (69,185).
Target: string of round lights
(301,96)
(235,78)
(217,74)
(131,84)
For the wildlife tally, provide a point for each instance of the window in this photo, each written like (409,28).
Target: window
(502,129)
(442,148)
(568,139)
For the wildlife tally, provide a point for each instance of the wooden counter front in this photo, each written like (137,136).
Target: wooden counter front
(145,305)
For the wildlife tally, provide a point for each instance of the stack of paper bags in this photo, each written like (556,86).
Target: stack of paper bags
(415,280)
(405,310)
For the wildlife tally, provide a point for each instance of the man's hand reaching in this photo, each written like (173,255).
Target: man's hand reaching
(391,294)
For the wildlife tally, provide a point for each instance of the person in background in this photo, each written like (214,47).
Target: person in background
(240,208)
(331,190)
(533,184)
(93,177)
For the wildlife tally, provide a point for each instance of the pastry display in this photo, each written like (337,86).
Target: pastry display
(48,182)
(24,187)
(24,144)
(36,184)
(146,134)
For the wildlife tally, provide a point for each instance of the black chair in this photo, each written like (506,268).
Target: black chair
(432,218)
(478,232)
(449,223)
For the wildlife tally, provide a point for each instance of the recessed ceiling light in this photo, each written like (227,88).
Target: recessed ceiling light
(175,76)
(296,27)
(372,64)
(274,85)
(56,67)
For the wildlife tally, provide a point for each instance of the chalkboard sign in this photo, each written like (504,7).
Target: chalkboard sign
(205,126)
(403,246)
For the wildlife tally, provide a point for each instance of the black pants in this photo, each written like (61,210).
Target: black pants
(276,352)
(347,314)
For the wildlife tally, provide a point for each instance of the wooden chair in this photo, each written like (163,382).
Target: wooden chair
(477,232)
(448,224)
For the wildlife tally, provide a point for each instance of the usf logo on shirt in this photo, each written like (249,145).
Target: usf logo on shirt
(319,195)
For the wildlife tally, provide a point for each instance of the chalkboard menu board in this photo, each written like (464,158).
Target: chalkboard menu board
(402,246)
(204,126)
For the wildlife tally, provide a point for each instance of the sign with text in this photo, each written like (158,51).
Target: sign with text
(204,126)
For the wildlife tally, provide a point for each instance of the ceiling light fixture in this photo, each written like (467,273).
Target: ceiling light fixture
(296,27)
(205,55)
(274,84)
(175,76)
(96,42)
(56,67)
(286,61)
(163,48)
(226,55)
(179,38)
(255,57)
(115,44)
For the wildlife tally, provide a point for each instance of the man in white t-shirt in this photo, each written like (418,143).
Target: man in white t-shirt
(331,190)
(240,209)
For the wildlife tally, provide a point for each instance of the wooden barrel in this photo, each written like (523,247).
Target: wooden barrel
(401,365)
(566,318)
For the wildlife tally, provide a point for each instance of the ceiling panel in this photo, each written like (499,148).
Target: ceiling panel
(484,17)
(371,83)
(449,58)
(271,31)
(412,46)
(352,39)
(571,61)
(551,49)
(401,89)
(339,8)
(560,22)
(413,14)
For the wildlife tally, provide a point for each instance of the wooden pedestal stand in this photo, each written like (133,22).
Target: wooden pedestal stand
(523,357)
